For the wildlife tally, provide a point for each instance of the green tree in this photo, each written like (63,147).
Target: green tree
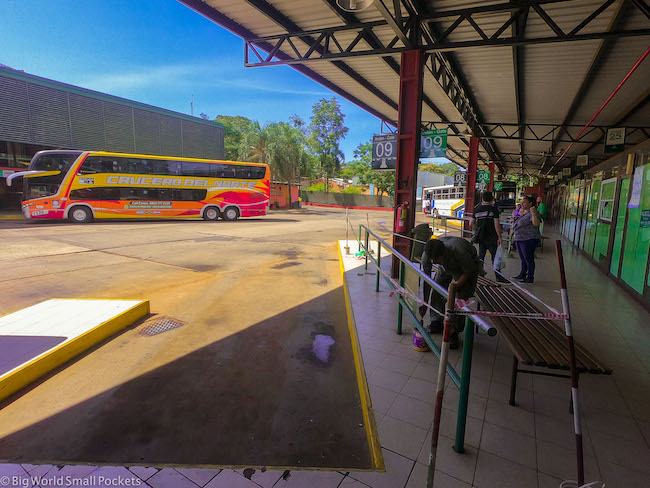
(234,128)
(361,167)
(279,145)
(253,144)
(286,154)
(326,130)
(448,169)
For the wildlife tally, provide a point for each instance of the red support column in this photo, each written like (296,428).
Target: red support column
(470,189)
(408,145)
(490,186)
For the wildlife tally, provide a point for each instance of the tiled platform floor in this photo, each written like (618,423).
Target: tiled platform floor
(529,446)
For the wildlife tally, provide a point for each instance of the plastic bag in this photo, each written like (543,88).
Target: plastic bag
(499,263)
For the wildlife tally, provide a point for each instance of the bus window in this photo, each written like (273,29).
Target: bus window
(196,169)
(97,164)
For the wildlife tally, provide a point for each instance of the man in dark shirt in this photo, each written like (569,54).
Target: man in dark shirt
(487,229)
(456,259)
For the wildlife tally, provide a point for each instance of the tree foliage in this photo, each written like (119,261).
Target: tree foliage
(234,128)
(326,130)
(361,167)
(448,169)
(286,152)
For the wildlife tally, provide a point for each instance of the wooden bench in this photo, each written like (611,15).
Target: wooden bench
(540,343)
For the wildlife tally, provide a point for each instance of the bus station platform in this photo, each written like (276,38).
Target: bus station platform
(530,444)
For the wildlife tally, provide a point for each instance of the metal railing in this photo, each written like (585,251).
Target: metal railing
(461,381)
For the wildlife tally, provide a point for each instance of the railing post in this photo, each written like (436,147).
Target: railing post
(367,248)
(359,241)
(468,345)
(378,263)
(402,279)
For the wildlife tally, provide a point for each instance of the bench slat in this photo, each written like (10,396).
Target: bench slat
(587,360)
(534,342)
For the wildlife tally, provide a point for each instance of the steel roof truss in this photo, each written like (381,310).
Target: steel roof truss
(407,31)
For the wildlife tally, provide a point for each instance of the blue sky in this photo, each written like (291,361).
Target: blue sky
(161,53)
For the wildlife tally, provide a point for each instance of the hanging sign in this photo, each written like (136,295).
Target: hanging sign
(566,172)
(615,140)
(498,185)
(433,143)
(645,218)
(384,151)
(460,178)
(582,160)
(637,186)
(483,176)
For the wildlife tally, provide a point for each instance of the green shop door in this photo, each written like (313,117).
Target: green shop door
(620,227)
(637,236)
(604,222)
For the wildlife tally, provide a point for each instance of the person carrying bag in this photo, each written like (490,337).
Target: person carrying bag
(487,230)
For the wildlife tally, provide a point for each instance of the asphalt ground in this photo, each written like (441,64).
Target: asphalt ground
(241,383)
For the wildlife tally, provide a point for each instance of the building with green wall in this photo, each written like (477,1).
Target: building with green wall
(605,212)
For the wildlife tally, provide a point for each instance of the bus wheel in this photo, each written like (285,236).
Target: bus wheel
(231,213)
(211,214)
(80,215)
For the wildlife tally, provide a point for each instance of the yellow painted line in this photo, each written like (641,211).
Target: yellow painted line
(11,217)
(17,379)
(368,416)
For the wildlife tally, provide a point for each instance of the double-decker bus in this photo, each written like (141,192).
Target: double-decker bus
(84,185)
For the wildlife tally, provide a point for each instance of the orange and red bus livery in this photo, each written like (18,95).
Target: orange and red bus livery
(82,186)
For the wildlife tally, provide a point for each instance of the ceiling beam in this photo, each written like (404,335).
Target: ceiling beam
(392,22)
(597,62)
(518,29)
(283,21)
(375,43)
(474,117)
(640,103)
(504,14)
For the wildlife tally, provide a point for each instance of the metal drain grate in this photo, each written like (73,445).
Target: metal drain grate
(160,325)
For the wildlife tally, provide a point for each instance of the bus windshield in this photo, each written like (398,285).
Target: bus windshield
(45,186)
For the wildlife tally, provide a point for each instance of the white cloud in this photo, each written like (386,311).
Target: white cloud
(212,74)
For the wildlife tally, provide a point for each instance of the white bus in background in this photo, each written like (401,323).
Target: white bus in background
(445,200)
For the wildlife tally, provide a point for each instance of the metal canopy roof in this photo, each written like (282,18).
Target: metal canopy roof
(524,75)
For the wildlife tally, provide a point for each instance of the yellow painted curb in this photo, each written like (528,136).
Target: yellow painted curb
(14,381)
(368,416)
(11,217)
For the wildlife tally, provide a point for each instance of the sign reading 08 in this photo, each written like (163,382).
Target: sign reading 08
(384,151)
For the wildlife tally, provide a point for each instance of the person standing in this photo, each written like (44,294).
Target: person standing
(526,237)
(456,259)
(487,228)
(543,211)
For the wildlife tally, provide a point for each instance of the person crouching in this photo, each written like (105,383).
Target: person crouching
(457,260)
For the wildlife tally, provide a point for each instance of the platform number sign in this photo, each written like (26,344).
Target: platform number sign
(433,143)
(384,151)
(615,140)
(460,177)
(498,186)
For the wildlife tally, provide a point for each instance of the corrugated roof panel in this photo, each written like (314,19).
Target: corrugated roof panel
(552,76)
(489,74)
(247,16)
(308,15)
(613,68)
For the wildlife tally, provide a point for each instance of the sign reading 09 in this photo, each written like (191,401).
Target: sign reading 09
(433,143)
(384,151)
